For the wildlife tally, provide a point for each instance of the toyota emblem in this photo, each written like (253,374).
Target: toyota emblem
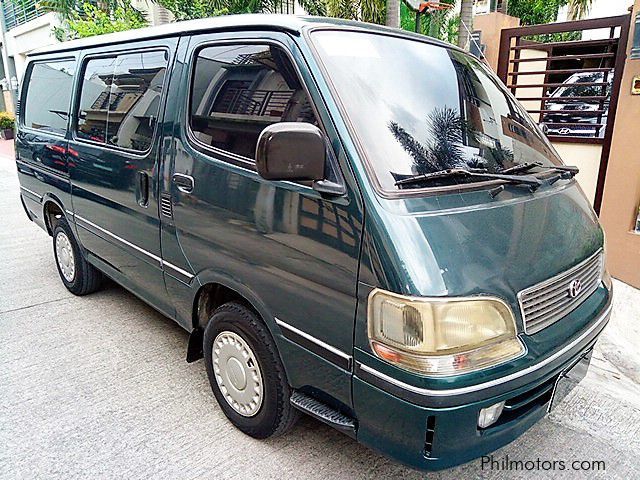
(575,288)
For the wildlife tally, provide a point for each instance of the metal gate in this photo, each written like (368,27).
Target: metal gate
(567,75)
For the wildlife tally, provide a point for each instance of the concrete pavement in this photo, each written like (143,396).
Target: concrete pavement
(98,387)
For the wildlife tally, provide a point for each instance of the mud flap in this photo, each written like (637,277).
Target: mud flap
(194,349)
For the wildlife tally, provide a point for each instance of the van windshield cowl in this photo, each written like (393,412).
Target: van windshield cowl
(418,108)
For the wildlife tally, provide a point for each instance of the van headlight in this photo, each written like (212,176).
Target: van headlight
(442,336)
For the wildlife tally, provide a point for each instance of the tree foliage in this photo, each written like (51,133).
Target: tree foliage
(87,19)
(365,10)
(192,9)
(536,12)
(84,19)
(441,24)
(95,21)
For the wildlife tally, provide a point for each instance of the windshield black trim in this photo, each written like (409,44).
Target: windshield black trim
(371,174)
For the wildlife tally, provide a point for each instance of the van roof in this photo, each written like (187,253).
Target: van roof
(290,23)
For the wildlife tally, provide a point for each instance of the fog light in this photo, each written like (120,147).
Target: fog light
(489,416)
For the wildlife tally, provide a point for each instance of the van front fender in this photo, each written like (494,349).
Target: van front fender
(210,277)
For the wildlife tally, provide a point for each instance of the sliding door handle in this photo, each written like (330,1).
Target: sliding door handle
(184,183)
(142,189)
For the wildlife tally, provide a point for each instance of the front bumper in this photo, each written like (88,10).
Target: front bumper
(435,429)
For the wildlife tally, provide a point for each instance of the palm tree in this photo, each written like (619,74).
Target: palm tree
(579,8)
(466,22)
(393,13)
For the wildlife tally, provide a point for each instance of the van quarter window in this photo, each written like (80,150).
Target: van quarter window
(120,99)
(48,96)
(238,90)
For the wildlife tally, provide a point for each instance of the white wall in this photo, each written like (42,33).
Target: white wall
(29,36)
(587,158)
(605,8)
(599,9)
(38,32)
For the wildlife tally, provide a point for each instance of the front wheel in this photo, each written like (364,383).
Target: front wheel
(246,374)
(78,275)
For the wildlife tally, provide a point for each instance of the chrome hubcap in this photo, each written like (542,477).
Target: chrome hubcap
(64,254)
(237,373)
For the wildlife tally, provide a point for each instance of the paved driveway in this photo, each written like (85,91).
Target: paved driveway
(98,387)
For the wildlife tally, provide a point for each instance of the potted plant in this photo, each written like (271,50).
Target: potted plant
(7,122)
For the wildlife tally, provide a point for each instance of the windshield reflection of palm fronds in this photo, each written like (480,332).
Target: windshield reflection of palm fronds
(447,130)
(421,156)
(503,156)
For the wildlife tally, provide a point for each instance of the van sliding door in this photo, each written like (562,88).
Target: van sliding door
(113,158)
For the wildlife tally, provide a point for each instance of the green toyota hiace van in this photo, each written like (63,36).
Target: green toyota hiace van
(351,221)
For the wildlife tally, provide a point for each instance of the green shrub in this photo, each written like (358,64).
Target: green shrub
(7,120)
(93,20)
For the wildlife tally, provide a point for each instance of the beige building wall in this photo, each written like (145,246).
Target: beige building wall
(585,156)
(491,25)
(8,103)
(523,91)
(30,36)
(622,187)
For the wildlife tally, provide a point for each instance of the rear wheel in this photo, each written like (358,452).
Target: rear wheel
(78,275)
(246,374)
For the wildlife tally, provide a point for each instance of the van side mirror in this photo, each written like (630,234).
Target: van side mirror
(291,151)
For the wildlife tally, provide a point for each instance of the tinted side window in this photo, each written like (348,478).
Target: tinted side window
(48,96)
(120,99)
(238,90)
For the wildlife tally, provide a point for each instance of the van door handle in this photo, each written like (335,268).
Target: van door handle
(143,189)
(184,183)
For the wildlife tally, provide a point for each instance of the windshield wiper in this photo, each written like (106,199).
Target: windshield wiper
(567,171)
(531,181)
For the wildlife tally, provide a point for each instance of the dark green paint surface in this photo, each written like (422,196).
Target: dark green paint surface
(311,260)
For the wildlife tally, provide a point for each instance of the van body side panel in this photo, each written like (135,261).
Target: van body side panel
(38,184)
(294,251)
(179,277)
(115,192)
(41,161)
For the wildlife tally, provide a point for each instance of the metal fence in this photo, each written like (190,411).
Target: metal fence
(245,101)
(17,12)
(567,75)
(565,82)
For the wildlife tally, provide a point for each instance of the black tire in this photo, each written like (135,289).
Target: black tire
(275,415)
(86,278)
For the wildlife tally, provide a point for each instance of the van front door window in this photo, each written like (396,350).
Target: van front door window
(238,90)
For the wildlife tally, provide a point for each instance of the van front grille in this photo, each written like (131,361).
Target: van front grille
(547,302)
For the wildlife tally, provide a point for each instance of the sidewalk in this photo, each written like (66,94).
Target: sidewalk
(7,149)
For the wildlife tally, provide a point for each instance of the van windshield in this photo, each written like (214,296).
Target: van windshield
(417,108)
